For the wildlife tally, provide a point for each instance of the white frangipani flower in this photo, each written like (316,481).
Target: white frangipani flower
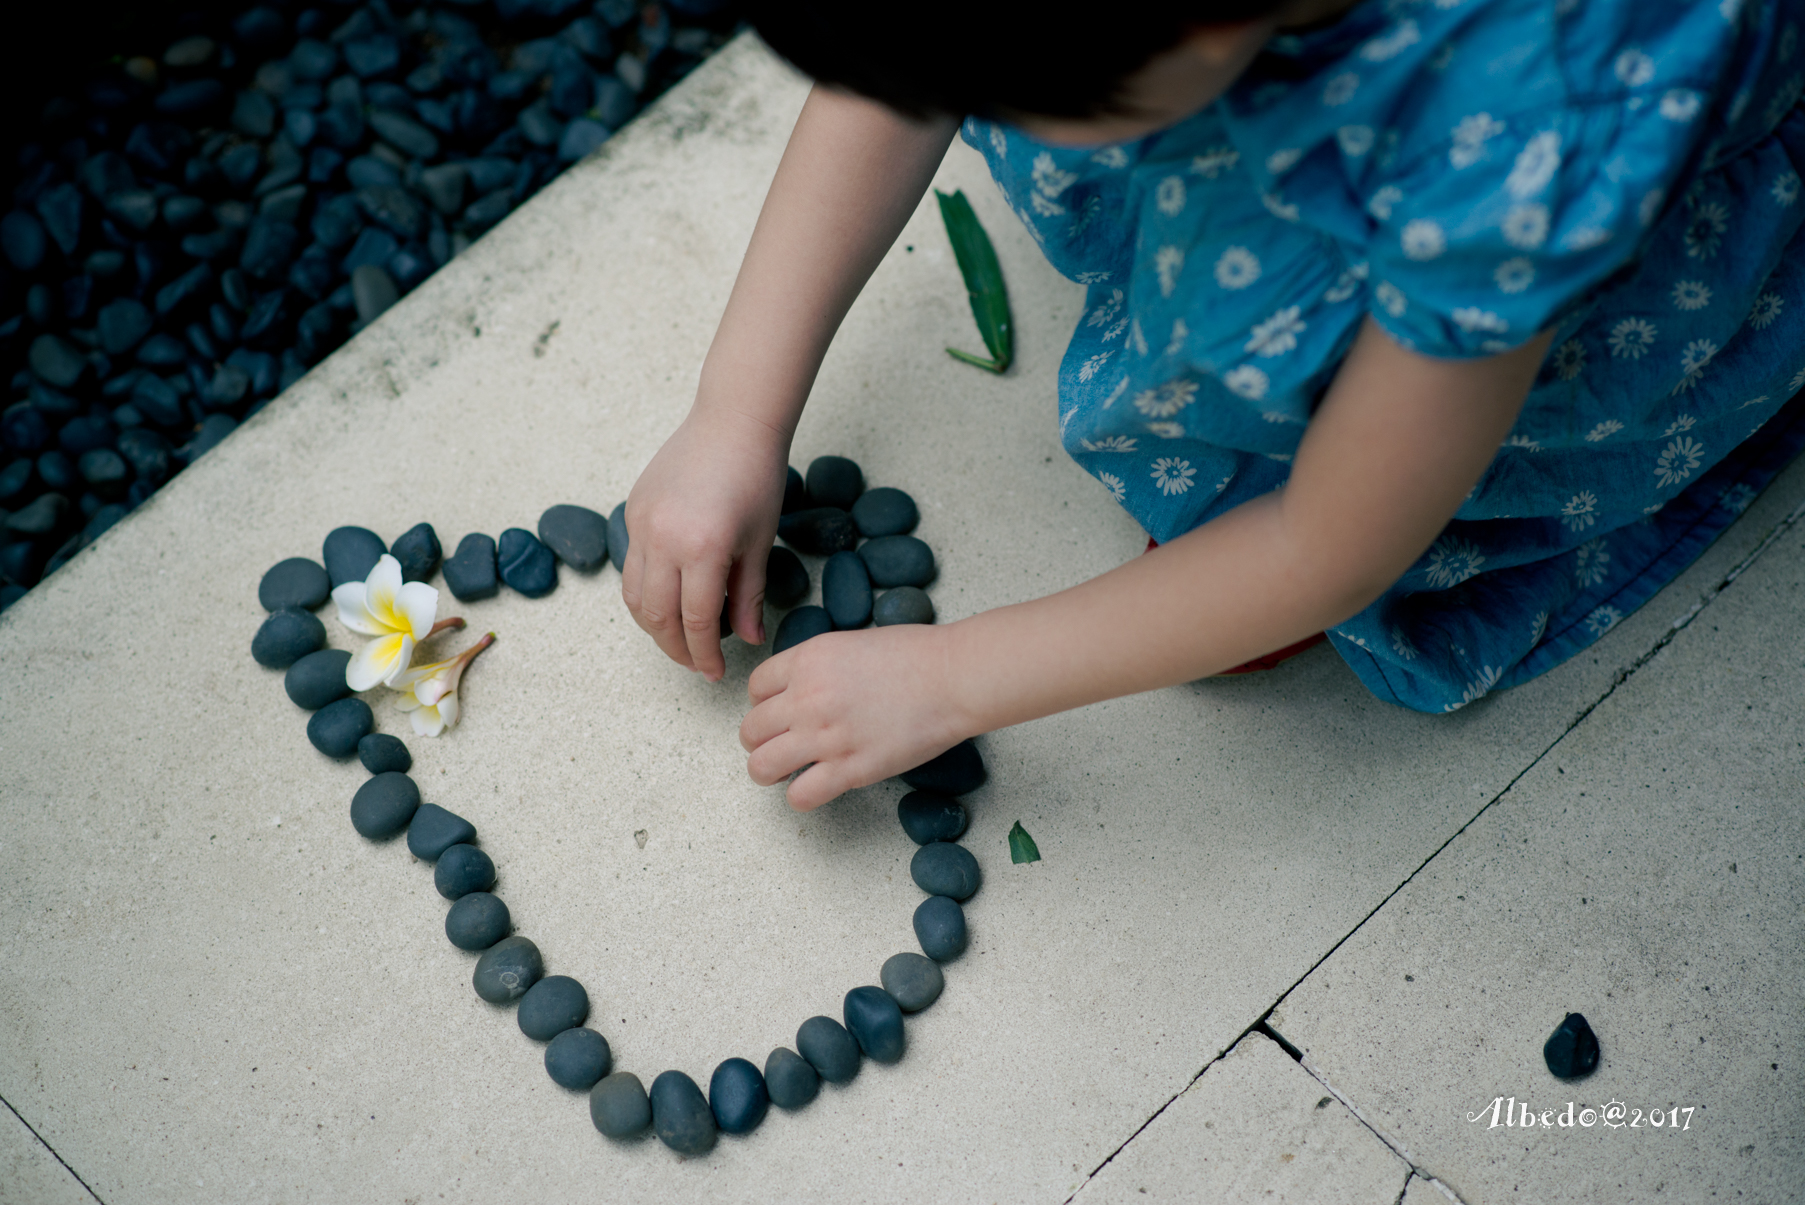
(398,616)
(429,693)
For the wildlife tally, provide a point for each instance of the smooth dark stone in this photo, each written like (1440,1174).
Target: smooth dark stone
(617,535)
(60,209)
(912,980)
(461,870)
(485,211)
(927,816)
(830,1050)
(874,1019)
(790,1080)
(489,174)
(269,323)
(78,293)
(23,239)
(846,591)
(614,102)
(898,561)
(577,535)
(404,134)
(253,114)
(819,531)
(940,927)
(57,361)
(942,868)
(905,604)
(211,432)
(336,728)
(786,581)
(135,210)
(551,1006)
(283,204)
(227,388)
(476,922)
(222,321)
(13,480)
(795,497)
(322,164)
(1572,1049)
(367,171)
(589,37)
(444,187)
(370,57)
(287,636)
(183,213)
(337,222)
(385,803)
(411,265)
(295,582)
(804,623)
(470,573)
(834,481)
(578,1058)
(22,563)
(269,247)
(318,679)
(373,291)
(394,208)
(418,551)
(162,351)
(619,1107)
(525,564)
(581,138)
(148,453)
(885,511)
(539,125)
(239,165)
(958,771)
(122,325)
(384,754)
(737,1097)
(350,553)
(680,1114)
(104,471)
(433,830)
(11,594)
(103,520)
(104,264)
(341,125)
(106,173)
(24,427)
(42,516)
(505,972)
(85,433)
(192,99)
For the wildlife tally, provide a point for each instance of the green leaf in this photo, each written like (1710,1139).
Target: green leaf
(1021,845)
(983,282)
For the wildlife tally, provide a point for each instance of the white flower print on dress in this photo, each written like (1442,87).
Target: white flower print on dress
(1282,161)
(1110,443)
(1392,43)
(1693,361)
(1678,461)
(1538,629)
(1180,332)
(1213,162)
(1237,267)
(1691,295)
(1603,431)
(1355,140)
(1478,688)
(1115,332)
(1339,90)
(1705,231)
(1536,164)
(1116,393)
(999,141)
(1470,137)
(1515,275)
(1590,561)
(1526,226)
(1045,207)
(1422,239)
(1783,99)
(1798,381)
(1106,313)
(1381,203)
(1089,368)
(1680,104)
(1786,189)
(1400,644)
(1346,285)
(1171,196)
(1766,310)
(1172,475)
(1277,416)
(1166,430)
(1737,498)
(1634,68)
(1391,298)
(1113,484)
(1136,339)
(1754,401)
(1581,511)
(1278,207)
(1452,561)
(1602,620)
(1471,318)
(1167,262)
(1049,179)
(1247,381)
(1093,209)
(1521,441)
(1111,157)
(1631,338)
(1679,426)
(1278,334)
(1569,359)
(1092,278)
(1167,399)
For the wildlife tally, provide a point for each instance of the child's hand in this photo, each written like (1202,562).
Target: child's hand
(859,706)
(702,517)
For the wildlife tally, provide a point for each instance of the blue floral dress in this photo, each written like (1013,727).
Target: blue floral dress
(1468,173)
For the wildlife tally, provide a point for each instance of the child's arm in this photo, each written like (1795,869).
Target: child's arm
(704,512)
(1388,458)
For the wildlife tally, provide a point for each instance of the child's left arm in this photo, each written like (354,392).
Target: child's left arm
(1391,453)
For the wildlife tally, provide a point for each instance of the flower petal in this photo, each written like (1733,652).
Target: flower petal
(415,607)
(402,657)
(406,702)
(352,612)
(380,590)
(418,673)
(376,661)
(447,711)
(427,721)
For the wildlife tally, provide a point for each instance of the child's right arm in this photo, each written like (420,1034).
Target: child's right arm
(704,511)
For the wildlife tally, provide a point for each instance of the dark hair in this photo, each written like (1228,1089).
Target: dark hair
(988,58)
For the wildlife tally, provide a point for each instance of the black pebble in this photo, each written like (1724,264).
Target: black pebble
(350,553)
(470,573)
(617,536)
(927,816)
(577,535)
(786,581)
(958,771)
(940,928)
(905,604)
(846,591)
(578,1058)
(419,552)
(898,561)
(819,531)
(434,830)
(885,511)
(737,1097)
(336,728)
(873,1018)
(507,969)
(461,870)
(790,1080)
(476,922)
(286,637)
(680,1114)
(318,679)
(830,1050)
(913,981)
(296,582)
(804,623)
(385,803)
(526,565)
(1572,1049)
(941,868)
(795,492)
(551,1006)
(618,1105)
(834,481)
(381,753)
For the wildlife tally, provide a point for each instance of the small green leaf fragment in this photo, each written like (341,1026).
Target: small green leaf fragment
(1021,845)
(983,282)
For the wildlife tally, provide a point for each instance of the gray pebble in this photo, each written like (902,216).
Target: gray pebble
(680,1114)
(476,922)
(296,582)
(830,1050)
(551,1006)
(940,928)
(381,753)
(470,573)
(576,535)
(737,1096)
(913,981)
(786,581)
(790,1079)
(318,679)
(434,830)
(958,771)
(898,561)
(619,1107)
(336,728)
(525,564)
(286,636)
(834,481)
(419,552)
(350,553)
(846,591)
(383,806)
(578,1058)
(506,970)
(941,868)
(804,623)
(461,870)
(874,1019)
(905,604)
(795,492)
(819,531)
(885,512)
(928,816)
(617,541)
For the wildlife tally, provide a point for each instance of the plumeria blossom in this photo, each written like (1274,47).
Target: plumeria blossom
(398,616)
(429,693)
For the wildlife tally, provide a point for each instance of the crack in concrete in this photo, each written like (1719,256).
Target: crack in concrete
(53,1154)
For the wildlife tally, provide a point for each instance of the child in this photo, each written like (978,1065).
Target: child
(1456,327)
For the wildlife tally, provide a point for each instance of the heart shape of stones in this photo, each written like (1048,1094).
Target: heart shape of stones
(826,514)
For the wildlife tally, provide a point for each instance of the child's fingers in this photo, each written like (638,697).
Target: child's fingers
(660,608)
(746,598)
(769,719)
(704,593)
(770,678)
(821,783)
(777,759)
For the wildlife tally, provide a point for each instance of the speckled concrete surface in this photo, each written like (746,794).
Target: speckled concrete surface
(217,992)
(30,1173)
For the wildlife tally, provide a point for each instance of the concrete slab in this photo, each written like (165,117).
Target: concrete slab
(216,992)
(1648,873)
(30,1173)
(1254,1127)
